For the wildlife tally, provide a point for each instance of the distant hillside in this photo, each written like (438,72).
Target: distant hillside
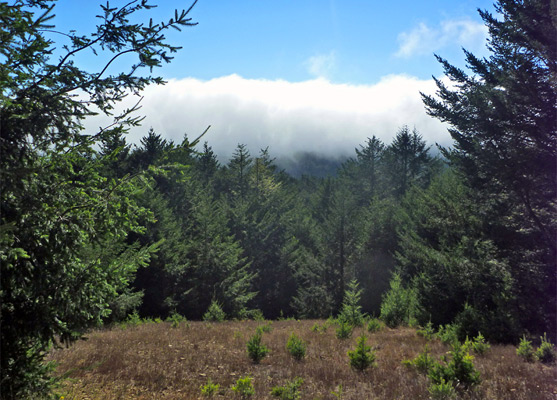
(312,164)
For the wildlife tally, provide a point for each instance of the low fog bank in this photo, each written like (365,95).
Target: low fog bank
(317,116)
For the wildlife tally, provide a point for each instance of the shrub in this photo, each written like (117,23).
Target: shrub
(442,391)
(255,314)
(344,330)
(256,350)
(290,391)
(319,328)
(459,370)
(209,389)
(214,313)
(448,334)
(244,387)
(362,357)
(525,350)
(374,325)
(427,332)
(400,305)
(478,344)
(133,319)
(296,347)
(351,309)
(338,393)
(422,363)
(546,352)
(176,319)
(266,328)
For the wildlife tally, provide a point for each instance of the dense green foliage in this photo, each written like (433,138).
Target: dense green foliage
(296,347)
(65,253)
(256,350)
(351,311)
(458,370)
(93,229)
(290,391)
(362,357)
(504,122)
(244,387)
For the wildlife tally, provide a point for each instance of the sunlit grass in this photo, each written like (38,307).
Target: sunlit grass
(156,361)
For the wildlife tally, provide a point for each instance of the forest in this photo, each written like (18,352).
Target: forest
(94,228)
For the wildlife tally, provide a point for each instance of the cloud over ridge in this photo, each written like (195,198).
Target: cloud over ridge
(288,117)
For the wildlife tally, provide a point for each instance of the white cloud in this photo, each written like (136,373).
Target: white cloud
(457,32)
(322,65)
(315,115)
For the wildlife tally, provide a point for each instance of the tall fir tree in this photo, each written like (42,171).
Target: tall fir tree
(503,120)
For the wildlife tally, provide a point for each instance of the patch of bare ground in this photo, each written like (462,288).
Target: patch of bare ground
(156,361)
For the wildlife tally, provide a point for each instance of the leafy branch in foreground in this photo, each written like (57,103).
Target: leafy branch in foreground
(64,224)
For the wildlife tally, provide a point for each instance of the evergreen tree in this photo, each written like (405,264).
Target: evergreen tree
(339,235)
(504,123)
(351,311)
(239,168)
(151,151)
(445,256)
(206,165)
(370,162)
(57,208)
(216,270)
(313,297)
(408,161)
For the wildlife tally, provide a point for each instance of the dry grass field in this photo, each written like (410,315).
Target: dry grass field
(157,361)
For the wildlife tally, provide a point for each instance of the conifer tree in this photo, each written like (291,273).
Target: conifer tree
(55,202)
(408,161)
(503,120)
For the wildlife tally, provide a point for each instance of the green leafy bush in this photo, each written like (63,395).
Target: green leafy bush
(351,309)
(448,334)
(427,332)
(442,390)
(374,325)
(459,370)
(296,347)
(478,344)
(256,350)
(400,305)
(266,328)
(422,363)
(209,389)
(344,330)
(362,357)
(319,328)
(133,319)
(244,387)
(176,319)
(214,313)
(290,391)
(255,314)
(525,350)
(546,352)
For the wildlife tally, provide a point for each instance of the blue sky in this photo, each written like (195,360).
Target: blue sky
(253,69)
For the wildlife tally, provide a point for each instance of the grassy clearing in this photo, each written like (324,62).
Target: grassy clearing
(156,361)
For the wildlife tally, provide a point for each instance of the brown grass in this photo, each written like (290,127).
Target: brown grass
(156,361)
